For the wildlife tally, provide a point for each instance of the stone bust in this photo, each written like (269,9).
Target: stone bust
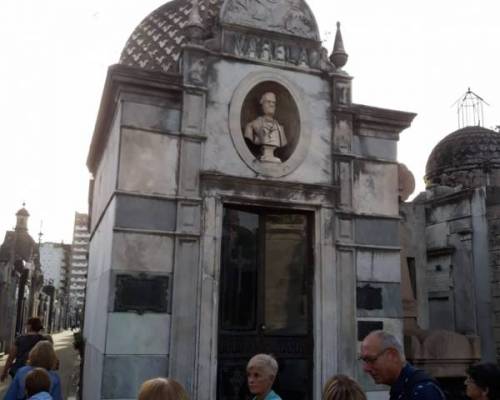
(265,131)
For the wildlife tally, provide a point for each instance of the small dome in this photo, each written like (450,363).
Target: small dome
(461,156)
(156,44)
(23,213)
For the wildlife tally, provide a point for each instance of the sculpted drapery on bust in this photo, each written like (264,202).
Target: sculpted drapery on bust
(266,131)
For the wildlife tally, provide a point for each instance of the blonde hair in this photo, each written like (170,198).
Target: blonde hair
(264,362)
(43,355)
(341,387)
(162,389)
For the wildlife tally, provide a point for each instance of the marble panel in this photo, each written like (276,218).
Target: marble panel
(137,252)
(123,375)
(381,395)
(372,147)
(451,210)
(92,372)
(155,214)
(378,266)
(189,180)
(148,163)
(193,118)
(130,333)
(375,188)
(97,295)
(437,235)
(100,244)
(184,312)
(189,218)
(377,232)
(105,177)
(346,283)
(151,117)
(345,228)
(345,180)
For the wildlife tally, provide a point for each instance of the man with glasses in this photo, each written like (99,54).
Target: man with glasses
(383,359)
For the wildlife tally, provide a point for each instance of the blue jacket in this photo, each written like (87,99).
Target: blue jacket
(41,396)
(409,388)
(270,396)
(16,389)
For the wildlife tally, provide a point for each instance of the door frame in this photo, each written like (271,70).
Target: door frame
(325,293)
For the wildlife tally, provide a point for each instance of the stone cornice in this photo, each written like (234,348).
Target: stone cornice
(380,122)
(118,78)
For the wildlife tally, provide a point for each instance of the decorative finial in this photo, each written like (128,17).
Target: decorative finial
(195,24)
(339,56)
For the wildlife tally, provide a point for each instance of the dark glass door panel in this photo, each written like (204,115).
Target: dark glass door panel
(286,289)
(266,289)
(239,272)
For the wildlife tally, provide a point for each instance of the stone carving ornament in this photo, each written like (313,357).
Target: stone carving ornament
(265,131)
(292,17)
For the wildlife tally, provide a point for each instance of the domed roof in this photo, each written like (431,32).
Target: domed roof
(156,44)
(466,149)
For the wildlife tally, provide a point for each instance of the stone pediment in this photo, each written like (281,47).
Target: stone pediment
(289,17)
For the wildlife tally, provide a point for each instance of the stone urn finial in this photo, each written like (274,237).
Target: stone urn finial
(194,25)
(339,56)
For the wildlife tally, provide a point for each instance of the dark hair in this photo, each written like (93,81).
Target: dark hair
(487,377)
(37,380)
(35,324)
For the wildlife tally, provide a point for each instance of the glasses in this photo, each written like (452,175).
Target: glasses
(371,359)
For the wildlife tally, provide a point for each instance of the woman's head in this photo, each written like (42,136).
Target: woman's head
(34,324)
(261,372)
(341,387)
(37,380)
(43,355)
(162,389)
(483,381)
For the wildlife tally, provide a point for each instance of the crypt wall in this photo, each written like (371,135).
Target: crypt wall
(178,141)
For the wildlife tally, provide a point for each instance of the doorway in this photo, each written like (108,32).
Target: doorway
(266,299)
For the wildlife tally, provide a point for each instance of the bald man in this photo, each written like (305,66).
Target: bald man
(383,359)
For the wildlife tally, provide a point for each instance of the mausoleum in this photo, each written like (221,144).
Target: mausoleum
(241,202)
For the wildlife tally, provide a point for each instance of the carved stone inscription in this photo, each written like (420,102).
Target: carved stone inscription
(291,17)
(141,294)
(304,55)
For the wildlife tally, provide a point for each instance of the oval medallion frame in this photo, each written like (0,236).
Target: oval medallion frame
(301,142)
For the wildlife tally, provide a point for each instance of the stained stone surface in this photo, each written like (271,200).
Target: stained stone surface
(123,375)
(135,212)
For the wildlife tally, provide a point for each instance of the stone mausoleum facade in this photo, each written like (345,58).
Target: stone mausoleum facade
(240,203)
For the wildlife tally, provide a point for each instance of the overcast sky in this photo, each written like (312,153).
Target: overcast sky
(417,56)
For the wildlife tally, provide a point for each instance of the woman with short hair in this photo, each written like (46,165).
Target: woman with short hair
(41,356)
(483,382)
(162,389)
(262,370)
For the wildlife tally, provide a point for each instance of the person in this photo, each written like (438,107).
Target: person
(265,131)
(22,346)
(341,387)
(162,389)
(383,359)
(261,373)
(483,382)
(42,356)
(37,384)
